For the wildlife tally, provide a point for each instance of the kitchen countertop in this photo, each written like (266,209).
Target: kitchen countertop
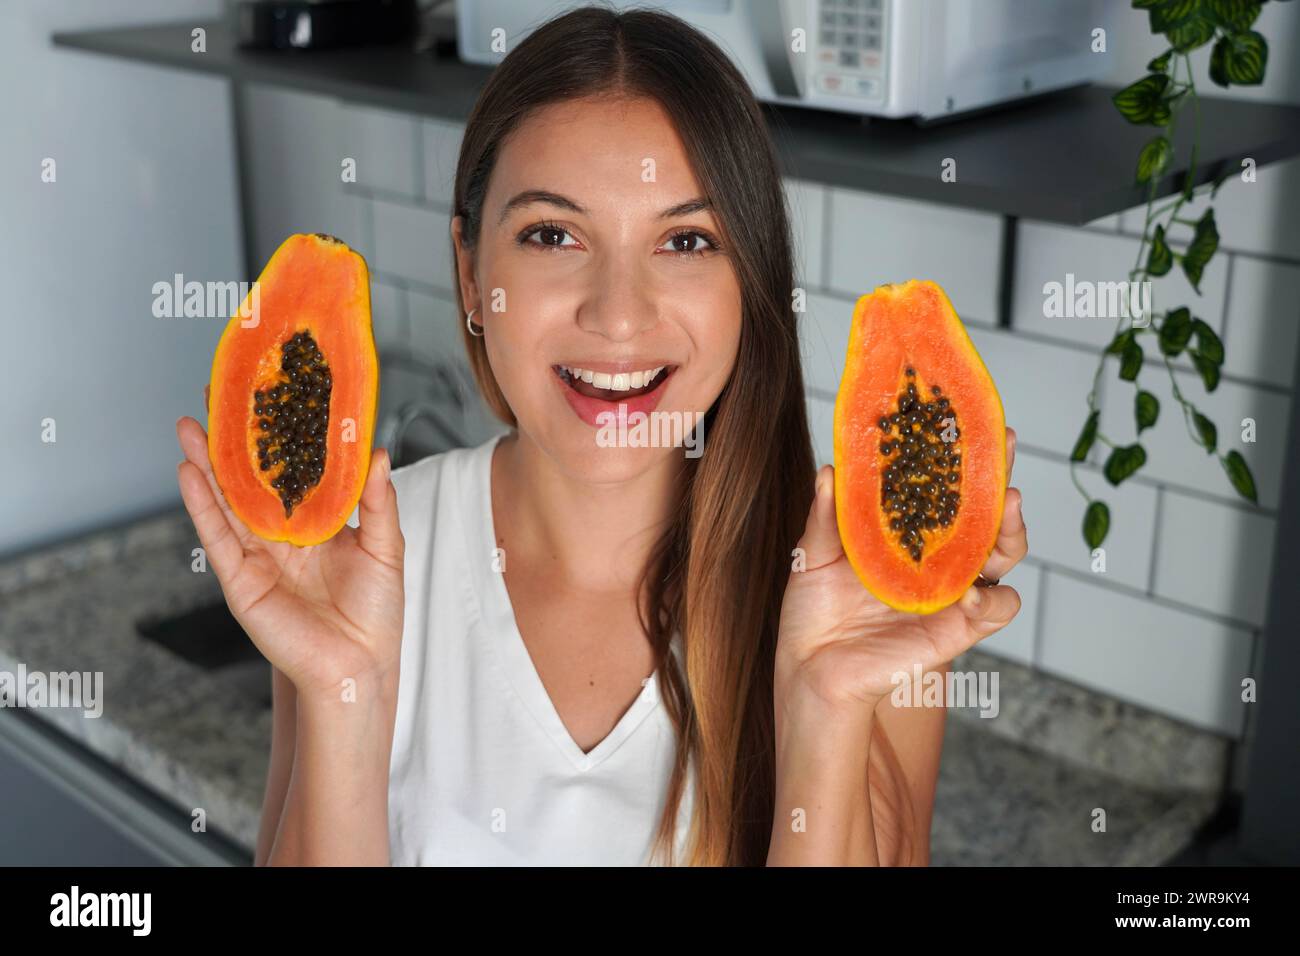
(1017,790)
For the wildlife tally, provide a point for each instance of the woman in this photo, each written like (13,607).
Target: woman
(565,651)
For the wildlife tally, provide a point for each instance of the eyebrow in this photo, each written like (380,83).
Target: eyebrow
(529,196)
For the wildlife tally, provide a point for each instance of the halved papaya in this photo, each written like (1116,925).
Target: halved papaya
(294,388)
(920,450)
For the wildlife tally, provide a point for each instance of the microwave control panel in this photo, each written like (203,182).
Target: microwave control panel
(850,50)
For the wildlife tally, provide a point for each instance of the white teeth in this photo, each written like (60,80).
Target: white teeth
(616,381)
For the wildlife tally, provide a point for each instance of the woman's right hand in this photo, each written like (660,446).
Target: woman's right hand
(320,614)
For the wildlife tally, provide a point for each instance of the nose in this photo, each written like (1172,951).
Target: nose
(622,303)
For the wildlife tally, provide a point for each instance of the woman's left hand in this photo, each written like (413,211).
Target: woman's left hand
(844,647)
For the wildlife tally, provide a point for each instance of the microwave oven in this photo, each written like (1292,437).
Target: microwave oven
(927,59)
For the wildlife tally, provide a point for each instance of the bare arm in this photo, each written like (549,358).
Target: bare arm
(849,812)
(336,803)
(903,769)
(284,728)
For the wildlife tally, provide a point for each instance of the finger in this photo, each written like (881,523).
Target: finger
(989,609)
(821,537)
(1011,452)
(194,443)
(378,532)
(220,543)
(1013,538)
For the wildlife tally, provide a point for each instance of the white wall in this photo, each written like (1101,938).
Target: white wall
(145,188)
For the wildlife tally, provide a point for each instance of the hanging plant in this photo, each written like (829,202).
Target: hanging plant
(1159,99)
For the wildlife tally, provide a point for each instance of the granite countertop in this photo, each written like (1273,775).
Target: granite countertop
(1020,789)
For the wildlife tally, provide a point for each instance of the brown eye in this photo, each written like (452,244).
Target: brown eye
(689,243)
(548,235)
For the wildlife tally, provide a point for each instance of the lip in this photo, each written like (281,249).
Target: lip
(589,409)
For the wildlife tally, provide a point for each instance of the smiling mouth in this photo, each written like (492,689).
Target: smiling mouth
(613,386)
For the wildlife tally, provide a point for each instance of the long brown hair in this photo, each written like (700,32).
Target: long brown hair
(718,574)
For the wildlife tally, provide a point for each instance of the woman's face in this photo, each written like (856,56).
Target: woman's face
(596,266)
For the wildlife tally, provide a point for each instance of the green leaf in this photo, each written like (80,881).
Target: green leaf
(1208,343)
(1086,438)
(1096,522)
(1146,410)
(1120,342)
(1153,159)
(1171,13)
(1176,331)
(1123,462)
(1240,476)
(1205,428)
(1191,33)
(1204,243)
(1209,371)
(1234,16)
(1131,362)
(1146,4)
(1239,59)
(1143,101)
(1161,63)
(1161,259)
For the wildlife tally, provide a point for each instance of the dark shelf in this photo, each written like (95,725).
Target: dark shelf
(1067,157)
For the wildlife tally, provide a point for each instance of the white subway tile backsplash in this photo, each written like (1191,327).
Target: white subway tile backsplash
(1104,224)
(1131,219)
(1171,454)
(435,326)
(1048,253)
(876,239)
(293,175)
(1016,640)
(807,222)
(388,314)
(1216,557)
(1054,519)
(412,242)
(382,144)
(441,152)
(1251,217)
(1156,656)
(1043,386)
(1260,217)
(823,340)
(1262,331)
(821,423)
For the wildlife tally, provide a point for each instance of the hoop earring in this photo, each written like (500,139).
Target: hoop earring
(470,325)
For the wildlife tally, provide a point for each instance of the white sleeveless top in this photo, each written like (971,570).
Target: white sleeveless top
(483,770)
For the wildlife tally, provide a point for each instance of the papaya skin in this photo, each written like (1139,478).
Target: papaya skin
(913,325)
(312,283)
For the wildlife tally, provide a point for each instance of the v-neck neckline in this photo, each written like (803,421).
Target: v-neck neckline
(505,638)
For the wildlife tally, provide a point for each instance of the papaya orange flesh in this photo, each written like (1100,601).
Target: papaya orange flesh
(920,450)
(293,394)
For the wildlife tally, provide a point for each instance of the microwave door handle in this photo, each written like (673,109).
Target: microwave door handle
(774,45)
